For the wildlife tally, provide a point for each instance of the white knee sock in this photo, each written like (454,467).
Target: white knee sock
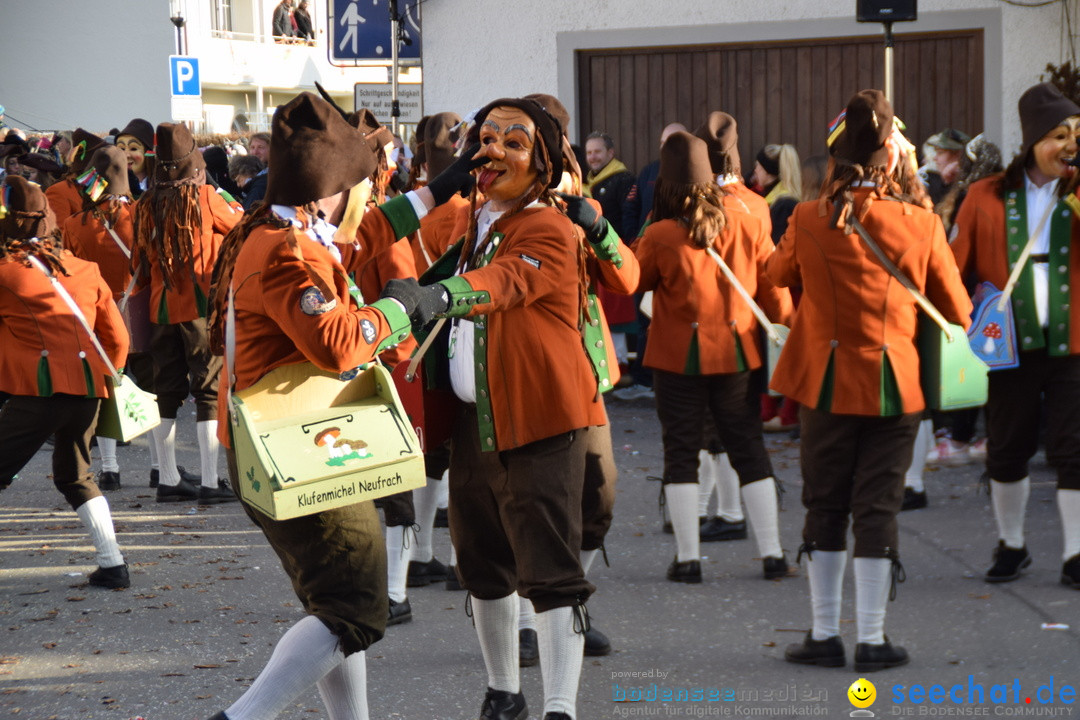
(397,562)
(826,572)
(453,555)
(107,449)
(706,478)
(727,490)
(587,557)
(526,615)
(1010,505)
(165,440)
(913,478)
(209,447)
(425,500)
(682,507)
(95,515)
(344,689)
(495,627)
(303,655)
(761,506)
(1069,508)
(152,447)
(871,594)
(561,652)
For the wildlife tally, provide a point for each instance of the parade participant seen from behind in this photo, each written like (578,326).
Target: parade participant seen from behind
(993,226)
(293,305)
(65,197)
(703,345)
(180,222)
(517,363)
(136,140)
(50,372)
(852,363)
(778,171)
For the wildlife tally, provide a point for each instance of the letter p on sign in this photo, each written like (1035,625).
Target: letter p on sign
(184,75)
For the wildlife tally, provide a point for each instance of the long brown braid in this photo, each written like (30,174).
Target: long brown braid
(699,205)
(168,219)
(842,177)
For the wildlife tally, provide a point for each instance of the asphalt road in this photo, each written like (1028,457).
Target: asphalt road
(209,600)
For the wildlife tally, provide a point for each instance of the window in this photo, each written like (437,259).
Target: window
(220,16)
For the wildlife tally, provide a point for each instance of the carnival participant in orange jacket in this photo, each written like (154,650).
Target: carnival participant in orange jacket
(852,364)
(65,197)
(50,372)
(293,304)
(180,223)
(991,230)
(703,345)
(517,362)
(434,154)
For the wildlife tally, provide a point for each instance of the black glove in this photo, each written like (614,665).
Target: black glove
(422,302)
(458,177)
(582,214)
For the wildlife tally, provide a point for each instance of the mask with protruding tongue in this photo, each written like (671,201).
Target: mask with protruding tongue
(486,177)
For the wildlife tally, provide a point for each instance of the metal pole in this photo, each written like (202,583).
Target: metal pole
(888,61)
(395,110)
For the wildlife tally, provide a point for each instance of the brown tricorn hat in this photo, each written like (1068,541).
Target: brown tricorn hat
(684,158)
(438,144)
(178,159)
(314,152)
(721,135)
(868,123)
(546,125)
(28,214)
(1042,108)
(111,164)
(141,130)
(83,145)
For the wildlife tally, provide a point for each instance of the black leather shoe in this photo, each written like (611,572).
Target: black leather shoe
(913,500)
(221,494)
(195,480)
(1008,563)
(400,612)
(219,716)
(870,658)
(596,643)
(442,518)
(453,583)
(528,648)
(112,577)
(718,529)
(684,572)
(1070,572)
(181,492)
(422,574)
(556,716)
(502,705)
(826,653)
(108,480)
(155,479)
(773,568)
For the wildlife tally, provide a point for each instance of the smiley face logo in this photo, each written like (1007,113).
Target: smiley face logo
(862,693)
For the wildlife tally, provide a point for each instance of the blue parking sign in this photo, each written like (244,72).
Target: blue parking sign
(361,30)
(184,75)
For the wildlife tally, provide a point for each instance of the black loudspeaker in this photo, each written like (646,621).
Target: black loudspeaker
(886,10)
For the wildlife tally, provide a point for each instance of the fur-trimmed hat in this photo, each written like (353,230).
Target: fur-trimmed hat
(437,143)
(684,158)
(141,130)
(178,159)
(860,132)
(83,145)
(314,152)
(110,162)
(721,135)
(547,127)
(26,211)
(1042,108)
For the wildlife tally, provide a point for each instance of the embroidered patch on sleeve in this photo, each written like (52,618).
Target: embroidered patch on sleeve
(368,328)
(312,302)
(531,260)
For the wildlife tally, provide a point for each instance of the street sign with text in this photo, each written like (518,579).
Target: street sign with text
(376,97)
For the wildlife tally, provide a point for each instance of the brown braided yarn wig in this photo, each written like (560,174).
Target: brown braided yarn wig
(27,224)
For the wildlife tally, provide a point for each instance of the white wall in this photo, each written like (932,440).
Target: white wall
(473,54)
(89,64)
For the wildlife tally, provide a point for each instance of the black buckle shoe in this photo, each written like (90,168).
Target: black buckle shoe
(871,658)
(1070,572)
(111,577)
(528,648)
(596,642)
(422,574)
(453,582)
(183,491)
(773,568)
(826,653)
(718,529)
(108,480)
(913,500)
(191,477)
(213,495)
(400,612)
(684,572)
(502,705)
(1008,562)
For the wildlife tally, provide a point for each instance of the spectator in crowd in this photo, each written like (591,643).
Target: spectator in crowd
(814,169)
(778,173)
(217,170)
(283,23)
(243,169)
(259,146)
(938,176)
(42,168)
(11,149)
(304,30)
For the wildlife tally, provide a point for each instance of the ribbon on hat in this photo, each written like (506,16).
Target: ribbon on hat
(839,123)
(93,184)
(79,151)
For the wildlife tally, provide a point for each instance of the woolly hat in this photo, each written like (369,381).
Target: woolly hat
(141,130)
(26,212)
(721,136)
(1042,108)
(860,132)
(684,158)
(438,145)
(110,162)
(83,145)
(314,152)
(546,126)
(178,157)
